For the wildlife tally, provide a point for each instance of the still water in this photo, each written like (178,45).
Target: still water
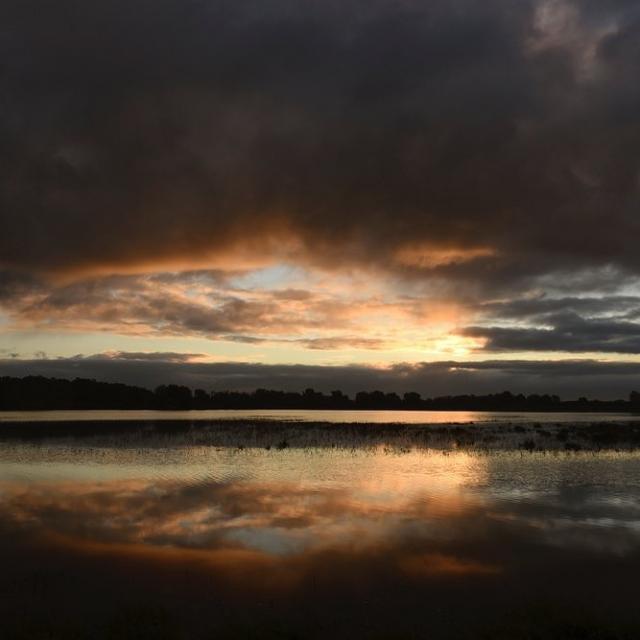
(176,541)
(309,415)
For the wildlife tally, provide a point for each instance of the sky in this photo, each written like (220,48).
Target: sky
(440,196)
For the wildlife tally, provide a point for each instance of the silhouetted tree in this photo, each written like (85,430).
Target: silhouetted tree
(201,399)
(173,396)
(37,392)
(411,400)
(339,400)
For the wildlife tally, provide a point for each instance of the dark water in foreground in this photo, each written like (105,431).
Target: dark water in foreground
(202,542)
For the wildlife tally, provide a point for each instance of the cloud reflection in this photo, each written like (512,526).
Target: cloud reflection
(383,514)
(427,514)
(315,538)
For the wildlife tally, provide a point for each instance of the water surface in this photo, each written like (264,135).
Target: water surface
(315,415)
(201,542)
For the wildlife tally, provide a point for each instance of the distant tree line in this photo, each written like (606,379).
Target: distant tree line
(39,393)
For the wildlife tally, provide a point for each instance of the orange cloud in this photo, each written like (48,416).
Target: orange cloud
(428,256)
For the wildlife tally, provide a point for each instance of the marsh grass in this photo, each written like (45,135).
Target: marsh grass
(280,435)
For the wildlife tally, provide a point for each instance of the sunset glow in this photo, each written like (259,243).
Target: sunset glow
(310,187)
(319,319)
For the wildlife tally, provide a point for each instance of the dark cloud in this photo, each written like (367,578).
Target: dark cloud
(157,356)
(137,132)
(605,324)
(570,333)
(15,285)
(480,151)
(567,378)
(541,307)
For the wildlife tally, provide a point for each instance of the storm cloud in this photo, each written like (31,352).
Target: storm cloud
(569,333)
(571,324)
(138,132)
(478,161)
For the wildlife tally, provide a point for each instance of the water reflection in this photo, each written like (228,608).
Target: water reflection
(290,504)
(316,415)
(316,542)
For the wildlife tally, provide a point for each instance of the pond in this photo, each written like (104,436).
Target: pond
(166,540)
